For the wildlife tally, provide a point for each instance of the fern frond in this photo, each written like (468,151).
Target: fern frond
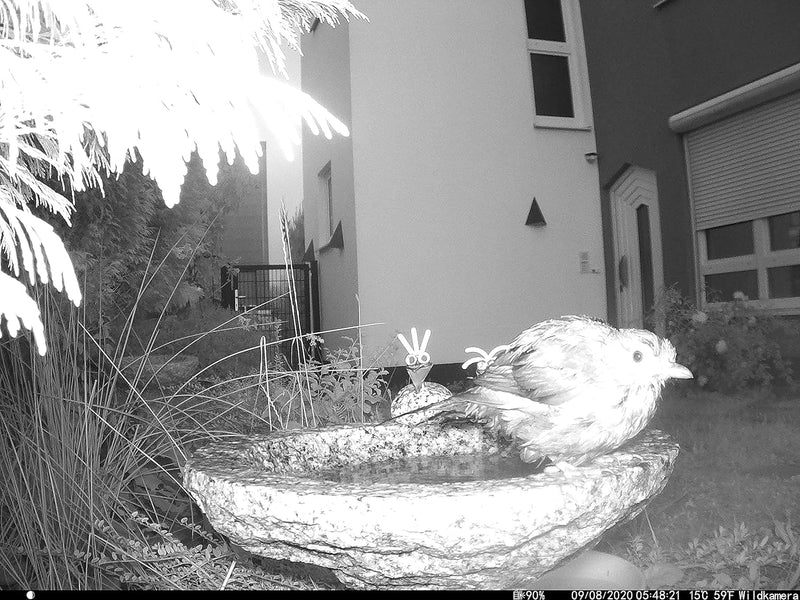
(43,254)
(18,308)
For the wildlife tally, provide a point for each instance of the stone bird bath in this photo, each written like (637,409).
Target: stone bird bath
(402,505)
(411,503)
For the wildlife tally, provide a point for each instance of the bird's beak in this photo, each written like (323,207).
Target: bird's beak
(676,371)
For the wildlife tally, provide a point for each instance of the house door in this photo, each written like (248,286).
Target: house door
(637,245)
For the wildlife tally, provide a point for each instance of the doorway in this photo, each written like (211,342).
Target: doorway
(639,273)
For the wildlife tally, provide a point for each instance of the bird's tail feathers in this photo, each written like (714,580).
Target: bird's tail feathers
(499,401)
(478,403)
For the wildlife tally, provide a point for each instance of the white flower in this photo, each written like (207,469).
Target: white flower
(314,340)
(721,347)
(699,317)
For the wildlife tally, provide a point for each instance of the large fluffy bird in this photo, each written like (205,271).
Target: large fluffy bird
(571,389)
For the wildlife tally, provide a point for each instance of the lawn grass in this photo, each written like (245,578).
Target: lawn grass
(727,515)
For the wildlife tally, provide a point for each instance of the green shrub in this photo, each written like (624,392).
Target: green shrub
(728,346)
(221,339)
(119,232)
(342,391)
(338,391)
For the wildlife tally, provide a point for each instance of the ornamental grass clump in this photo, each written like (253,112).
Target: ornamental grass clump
(729,346)
(92,494)
(83,455)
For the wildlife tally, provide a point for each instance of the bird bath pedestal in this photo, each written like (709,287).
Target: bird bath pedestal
(417,506)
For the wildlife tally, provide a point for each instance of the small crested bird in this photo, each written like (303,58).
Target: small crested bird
(570,389)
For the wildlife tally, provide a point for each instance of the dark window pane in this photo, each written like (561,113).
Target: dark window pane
(721,287)
(784,231)
(545,21)
(551,85)
(730,240)
(784,282)
(645,256)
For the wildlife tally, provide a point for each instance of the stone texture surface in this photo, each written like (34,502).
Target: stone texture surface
(261,492)
(409,398)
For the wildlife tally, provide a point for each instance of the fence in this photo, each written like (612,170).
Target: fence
(268,287)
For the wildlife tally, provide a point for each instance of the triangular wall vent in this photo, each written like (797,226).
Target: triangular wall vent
(535,216)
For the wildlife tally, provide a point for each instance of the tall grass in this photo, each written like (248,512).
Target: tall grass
(91,494)
(70,449)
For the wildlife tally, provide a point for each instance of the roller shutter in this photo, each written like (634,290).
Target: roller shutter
(746,166)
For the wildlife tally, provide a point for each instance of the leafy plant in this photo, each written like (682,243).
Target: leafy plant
(118,230)
(331,392)
(225,341)
(340,391)
(728,346)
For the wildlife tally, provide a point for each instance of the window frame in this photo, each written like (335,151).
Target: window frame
(572,49)
(326,193)
(763,258)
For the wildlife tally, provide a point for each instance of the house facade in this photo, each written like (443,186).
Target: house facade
(466,199)
(697,122)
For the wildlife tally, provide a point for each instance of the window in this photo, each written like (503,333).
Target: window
(326,186)
(760,258)
(554,44)
(744,181)
(730,240)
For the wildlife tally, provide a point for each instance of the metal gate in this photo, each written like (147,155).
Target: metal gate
(266,292)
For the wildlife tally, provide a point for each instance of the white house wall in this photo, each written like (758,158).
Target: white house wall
(447,162)
(326,75)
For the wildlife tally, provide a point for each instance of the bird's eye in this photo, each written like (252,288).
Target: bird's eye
(637,356)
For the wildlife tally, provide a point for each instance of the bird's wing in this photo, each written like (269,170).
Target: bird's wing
(503,410)
(551,362)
